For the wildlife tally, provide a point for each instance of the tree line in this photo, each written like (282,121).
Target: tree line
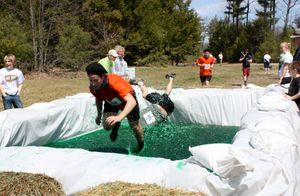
(72,33)
(235,31)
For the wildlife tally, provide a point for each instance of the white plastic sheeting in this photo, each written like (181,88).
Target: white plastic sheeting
(263,159)
(209,105)
(42,123)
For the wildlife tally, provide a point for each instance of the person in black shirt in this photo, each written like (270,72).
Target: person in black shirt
(294,89)
(246,59)
(296,37)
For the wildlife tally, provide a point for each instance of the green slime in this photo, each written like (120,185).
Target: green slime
(167,140)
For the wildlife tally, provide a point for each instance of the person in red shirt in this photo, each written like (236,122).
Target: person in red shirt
(206,63)
(117,95)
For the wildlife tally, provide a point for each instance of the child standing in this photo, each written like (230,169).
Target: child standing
(11,81)
(294,89)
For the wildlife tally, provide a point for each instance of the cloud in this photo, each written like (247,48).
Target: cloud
(210,10)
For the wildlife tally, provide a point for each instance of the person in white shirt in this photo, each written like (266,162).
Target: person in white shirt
(287,59)
(220,57)
(267,60)
(120,67)
(11,82)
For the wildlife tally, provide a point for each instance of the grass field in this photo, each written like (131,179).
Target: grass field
(43,88)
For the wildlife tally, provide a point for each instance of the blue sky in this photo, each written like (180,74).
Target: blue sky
(207,9)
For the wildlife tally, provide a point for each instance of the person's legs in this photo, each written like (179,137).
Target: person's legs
(138,132)
(107,112)
(143,88)
(169,86)
(133,120)
(114,128)
(203,79)
(16,101)
(7,104)
(245,75)
(206,83)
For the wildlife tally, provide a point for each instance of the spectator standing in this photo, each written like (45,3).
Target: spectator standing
(294,88)
(267,61)
(220,56)
(296,38)
(120,67)
(109,61)
(287,59)
(246,59)
(206,64)
(11,82)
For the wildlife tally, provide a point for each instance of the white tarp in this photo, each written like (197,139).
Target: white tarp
(263,159)
(43,123)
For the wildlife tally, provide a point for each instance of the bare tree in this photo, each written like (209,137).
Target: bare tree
(34,36)
(290,4)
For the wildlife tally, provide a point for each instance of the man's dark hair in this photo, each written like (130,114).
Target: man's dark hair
(206,50)
(95,69)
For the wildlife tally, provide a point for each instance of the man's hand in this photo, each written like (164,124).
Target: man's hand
(98,120)
(113,120)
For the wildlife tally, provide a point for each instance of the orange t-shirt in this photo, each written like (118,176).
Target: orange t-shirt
(207,62)
(114,90)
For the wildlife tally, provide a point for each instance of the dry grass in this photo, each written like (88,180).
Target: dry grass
(45,88)
(12,183)
(127,189)
(224,76)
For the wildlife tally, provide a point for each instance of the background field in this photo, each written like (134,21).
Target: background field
(45,88)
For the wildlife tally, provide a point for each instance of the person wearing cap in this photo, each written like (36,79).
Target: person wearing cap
(161,104)
(109,62)
(296,37)
(119,102)
(120,67)
(206,63)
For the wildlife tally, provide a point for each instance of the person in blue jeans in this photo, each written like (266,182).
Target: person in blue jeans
(11,82)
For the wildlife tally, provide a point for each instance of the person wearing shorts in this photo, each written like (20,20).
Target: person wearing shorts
(161,104)
(206,63)
(246,60)
(119,102)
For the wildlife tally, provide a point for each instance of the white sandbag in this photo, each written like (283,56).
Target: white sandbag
(272,134)
(273,101)
(223,159)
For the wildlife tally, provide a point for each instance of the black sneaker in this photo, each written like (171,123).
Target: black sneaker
(114,132)
(135,82)
(170,75)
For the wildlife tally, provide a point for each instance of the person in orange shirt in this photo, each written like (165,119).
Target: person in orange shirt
(117,95)
(206,63)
